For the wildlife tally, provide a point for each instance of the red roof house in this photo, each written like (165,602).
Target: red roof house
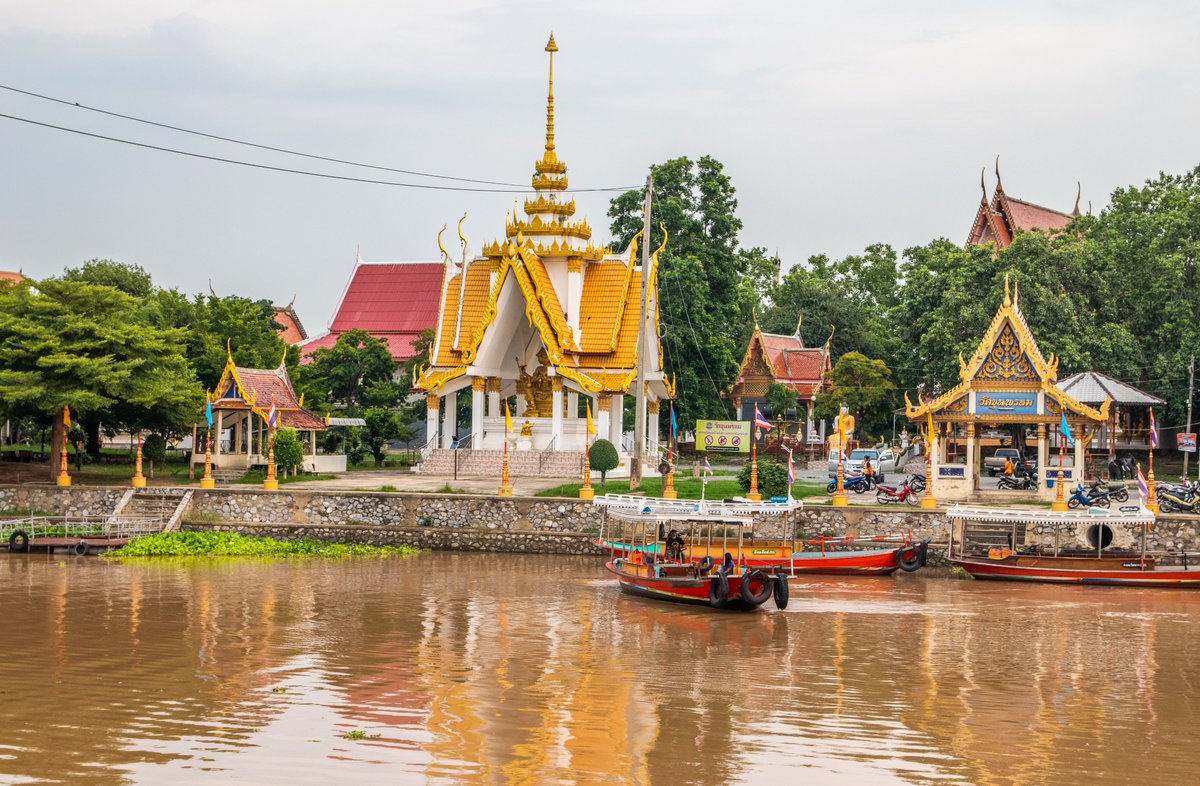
(999,220)
(394,301)
(771,357)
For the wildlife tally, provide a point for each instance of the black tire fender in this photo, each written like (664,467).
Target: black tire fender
(914,561)
(746,589)
(706,563)
(80,548)
(718,591)
(18,541)
(781,591)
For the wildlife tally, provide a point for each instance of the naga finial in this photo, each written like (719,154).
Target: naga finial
(1078,195)
(999,187)
(463,238)
(799,322)
(445,255)
(662,245)
(1007,298)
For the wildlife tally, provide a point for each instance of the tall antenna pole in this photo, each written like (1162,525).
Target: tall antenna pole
(639,420)
(1191,395)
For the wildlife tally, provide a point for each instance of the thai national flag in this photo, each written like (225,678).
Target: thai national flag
(1153,431)
(708,470)
(272,416)
(791,470)
(1143,487)
(760,421)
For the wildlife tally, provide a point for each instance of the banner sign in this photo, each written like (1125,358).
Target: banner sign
(723,436)
(1187,442)
(1001,403)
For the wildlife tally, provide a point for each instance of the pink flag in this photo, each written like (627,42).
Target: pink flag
(1143,487)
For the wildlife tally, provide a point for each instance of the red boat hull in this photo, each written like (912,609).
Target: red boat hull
(1027,569)
(678,589)
(875,562)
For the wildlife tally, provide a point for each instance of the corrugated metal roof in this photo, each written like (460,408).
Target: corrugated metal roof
(1091,387)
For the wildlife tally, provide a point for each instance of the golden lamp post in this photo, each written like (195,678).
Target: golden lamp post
(929,500)
(139,480)
(64,478)
(839,494)
(270,483)
(1151,497)
(506,488)
(1060,503)
(586,491)
(207,481)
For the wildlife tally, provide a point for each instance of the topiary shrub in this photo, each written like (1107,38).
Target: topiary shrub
(772,478)
(289,451)
(603,457)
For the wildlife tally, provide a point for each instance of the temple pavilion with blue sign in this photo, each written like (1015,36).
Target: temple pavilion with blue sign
(1007,398)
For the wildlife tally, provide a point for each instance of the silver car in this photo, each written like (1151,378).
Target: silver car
(883,461)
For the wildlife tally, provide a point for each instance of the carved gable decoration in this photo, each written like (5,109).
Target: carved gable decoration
(1007,360)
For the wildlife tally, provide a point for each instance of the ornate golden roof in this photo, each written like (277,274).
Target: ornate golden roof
(1007,357)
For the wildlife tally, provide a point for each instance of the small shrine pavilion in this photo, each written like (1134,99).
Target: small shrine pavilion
(771,357)
(999,219)
(1128,424)
(546,317)
(240,406)
(1006,383)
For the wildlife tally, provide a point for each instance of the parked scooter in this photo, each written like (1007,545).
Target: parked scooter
(1024,480)
(904,493)
(858,484)
(1086,498)
(1119,492)
(1183,498)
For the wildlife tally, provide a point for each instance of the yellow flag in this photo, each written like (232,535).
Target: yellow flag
(591,427)
(507,419)
(66,416)
(929,433)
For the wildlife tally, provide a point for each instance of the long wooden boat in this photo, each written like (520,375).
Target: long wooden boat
(1123,568)
(687,583)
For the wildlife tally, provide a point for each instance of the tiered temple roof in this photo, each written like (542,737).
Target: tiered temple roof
(783,359)
(999,219)
(257,389)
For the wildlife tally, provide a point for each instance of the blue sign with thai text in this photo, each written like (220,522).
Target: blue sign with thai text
(1001,403)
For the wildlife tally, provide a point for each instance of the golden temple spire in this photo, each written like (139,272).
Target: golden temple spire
(551,47)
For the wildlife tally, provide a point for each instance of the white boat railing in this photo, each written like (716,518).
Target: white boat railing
(634,506)
(1052,517)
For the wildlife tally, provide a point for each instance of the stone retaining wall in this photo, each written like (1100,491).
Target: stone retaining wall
(62,500)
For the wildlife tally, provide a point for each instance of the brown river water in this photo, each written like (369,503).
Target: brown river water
(508,669)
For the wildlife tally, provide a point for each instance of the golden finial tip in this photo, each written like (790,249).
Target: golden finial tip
(550,45)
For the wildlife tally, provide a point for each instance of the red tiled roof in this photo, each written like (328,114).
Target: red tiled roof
(293,331)
(791,360)
(394,301)
(11,275)
(264,387)
(390,298)
(1027,215)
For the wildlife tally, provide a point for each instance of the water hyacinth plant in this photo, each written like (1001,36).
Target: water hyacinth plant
(213,543)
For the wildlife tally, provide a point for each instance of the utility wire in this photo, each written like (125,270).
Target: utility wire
(77,105)
(287,169)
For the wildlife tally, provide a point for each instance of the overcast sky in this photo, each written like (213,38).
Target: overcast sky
(841,124)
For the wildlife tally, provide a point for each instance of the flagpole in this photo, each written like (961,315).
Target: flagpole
(270,483)
(1059,503)
(139,480)
(839,493)
(586,492)
(1151,497)
(64,477)
(505,489)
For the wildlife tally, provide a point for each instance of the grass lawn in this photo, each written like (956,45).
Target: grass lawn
(257,476)
(688,488)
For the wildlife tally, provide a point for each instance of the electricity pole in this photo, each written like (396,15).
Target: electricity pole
(639,393)
(1191,395)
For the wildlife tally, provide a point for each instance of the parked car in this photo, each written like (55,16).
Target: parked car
(883,460)
(994,464)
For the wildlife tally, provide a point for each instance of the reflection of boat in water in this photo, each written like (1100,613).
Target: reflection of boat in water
(976,533)
(902,551)
(665,569)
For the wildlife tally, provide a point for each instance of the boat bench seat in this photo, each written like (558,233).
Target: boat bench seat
(676,570)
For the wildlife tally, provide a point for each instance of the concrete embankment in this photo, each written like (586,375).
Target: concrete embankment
(486,523)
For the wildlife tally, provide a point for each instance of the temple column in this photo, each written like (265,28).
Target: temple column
(556,414)
(217,442)
(616,417)
(477,401)
(652,408)
(432,406)
(808,421)
(600,407)
(737,408)
(449,419)
(1043,450)
(1080,432)
(493,397)
(971,457)
(572,405)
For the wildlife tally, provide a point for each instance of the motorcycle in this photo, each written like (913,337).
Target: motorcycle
(1024,480)
(916,483)
(858,484)
(1119,492)
(1083,497)
(904,493)
(1183,498)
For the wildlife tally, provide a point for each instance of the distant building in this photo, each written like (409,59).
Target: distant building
(11,277)
(394,301)
(292,331)
(1000,218)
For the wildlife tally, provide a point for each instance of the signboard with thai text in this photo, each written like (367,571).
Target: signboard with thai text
(723,436)
(1001,403)
(1187,442)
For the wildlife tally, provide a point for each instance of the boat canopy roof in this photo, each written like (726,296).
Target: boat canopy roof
(633,507)
(1135,515)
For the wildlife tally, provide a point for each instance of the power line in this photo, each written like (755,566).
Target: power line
(288,170)
(77,105)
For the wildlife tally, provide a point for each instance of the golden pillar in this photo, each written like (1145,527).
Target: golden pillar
(270,483)
(139,481)
(207,481)
(1060,502)
(64,478)
(929,500)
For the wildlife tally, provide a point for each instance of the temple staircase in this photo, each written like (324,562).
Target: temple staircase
(162,506)
(487,463)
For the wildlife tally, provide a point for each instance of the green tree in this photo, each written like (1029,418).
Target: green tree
(781,398)
(772,478)
(154,448)
(340,375)
(701,278)
(289,450)
(865,386)
(89,346)
(130,279)
(602,456)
